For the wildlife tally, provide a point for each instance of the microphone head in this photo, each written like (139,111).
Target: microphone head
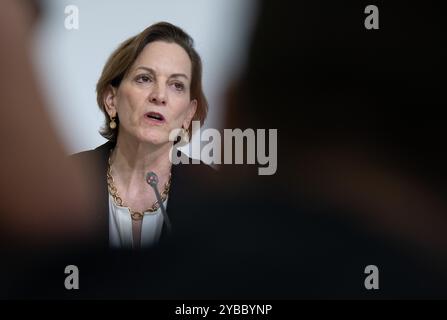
(152,179)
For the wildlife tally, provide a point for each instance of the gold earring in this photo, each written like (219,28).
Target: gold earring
(185,135)
(112,123)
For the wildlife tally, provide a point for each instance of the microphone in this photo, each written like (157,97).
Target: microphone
(152,180)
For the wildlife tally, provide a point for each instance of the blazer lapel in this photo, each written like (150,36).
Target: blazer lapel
(173,197)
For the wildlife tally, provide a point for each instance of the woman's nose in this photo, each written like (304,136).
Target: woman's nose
(158,95)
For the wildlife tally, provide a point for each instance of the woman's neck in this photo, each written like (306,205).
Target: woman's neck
(131,160)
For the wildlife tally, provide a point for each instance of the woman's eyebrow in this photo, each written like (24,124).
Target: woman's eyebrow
(174,75)
(177,75)
(146,69)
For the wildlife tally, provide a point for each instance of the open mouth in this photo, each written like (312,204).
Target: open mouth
(155,116)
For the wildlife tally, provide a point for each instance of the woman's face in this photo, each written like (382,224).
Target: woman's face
(154,97)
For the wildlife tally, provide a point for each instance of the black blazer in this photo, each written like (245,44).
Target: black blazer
(251,241)
(189,183)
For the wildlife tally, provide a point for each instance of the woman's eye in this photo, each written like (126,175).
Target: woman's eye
(143,79)
(179,86)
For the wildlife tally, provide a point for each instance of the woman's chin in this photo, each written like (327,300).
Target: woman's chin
(154,140)
(150,137)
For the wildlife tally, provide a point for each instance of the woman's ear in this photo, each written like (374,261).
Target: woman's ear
(109,101)
(191,112)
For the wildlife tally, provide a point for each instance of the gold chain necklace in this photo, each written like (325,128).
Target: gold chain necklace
(135,215)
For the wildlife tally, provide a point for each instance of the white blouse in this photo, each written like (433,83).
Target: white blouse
(120,226)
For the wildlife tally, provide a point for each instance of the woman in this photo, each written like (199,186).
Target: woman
(150,86)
